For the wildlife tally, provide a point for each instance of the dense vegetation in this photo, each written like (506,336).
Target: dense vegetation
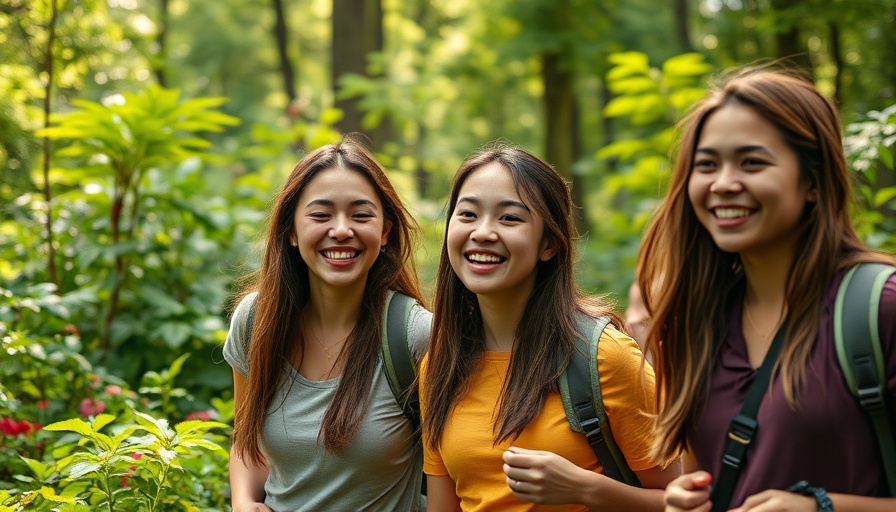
(141,142)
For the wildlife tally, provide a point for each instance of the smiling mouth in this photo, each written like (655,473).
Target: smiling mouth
(340,255)
(731,213)
(479,257)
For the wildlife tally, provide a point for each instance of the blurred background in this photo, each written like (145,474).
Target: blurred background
(141,142)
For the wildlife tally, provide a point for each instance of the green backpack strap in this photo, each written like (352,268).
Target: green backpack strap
(580,392)
(398,362)
(857,339)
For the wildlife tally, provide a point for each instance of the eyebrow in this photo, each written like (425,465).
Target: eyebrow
(329,202)
(505,203)
(741,150)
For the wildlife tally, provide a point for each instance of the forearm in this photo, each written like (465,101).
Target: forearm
(246,481)
(851,503)
(601,493)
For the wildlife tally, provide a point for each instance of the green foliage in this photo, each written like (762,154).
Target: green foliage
(869,145)
(649,100)
(112,457)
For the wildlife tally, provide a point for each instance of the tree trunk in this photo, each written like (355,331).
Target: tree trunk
(681,26)
(49,65)
(787,36)
(281,35)
(357,31)
(837,57)
(161,42)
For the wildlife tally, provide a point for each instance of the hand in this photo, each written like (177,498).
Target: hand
(778,501)
(543,477)
(689,492)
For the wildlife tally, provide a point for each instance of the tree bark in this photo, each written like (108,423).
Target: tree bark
(357,31)
(788,39)
(161,42)
(681,26)
(837,57)
(281,36)
(49,64)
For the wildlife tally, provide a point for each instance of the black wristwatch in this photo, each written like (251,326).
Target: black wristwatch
(820,495)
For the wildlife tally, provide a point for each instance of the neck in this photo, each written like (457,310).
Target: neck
(766,278)
(336,308)
(500,318)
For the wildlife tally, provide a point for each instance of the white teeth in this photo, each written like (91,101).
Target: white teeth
(339,255)
(731,213)
(484,258)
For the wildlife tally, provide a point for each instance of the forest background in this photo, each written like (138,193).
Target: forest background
(141,143)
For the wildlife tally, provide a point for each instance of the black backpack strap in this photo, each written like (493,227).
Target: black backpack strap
(398,362)
(582,401)
(743,427)
(859,351)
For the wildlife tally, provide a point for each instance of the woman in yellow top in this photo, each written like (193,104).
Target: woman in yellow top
(495,433)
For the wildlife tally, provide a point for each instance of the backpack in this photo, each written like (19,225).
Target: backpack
(398,362)
(857,339)
(580,391)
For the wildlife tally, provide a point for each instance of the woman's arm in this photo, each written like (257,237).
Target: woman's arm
(547,478)
(246,479)
(441,495)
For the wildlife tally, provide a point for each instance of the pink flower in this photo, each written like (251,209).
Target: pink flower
(112,389)
(91,407)
(198,415)
(136,456)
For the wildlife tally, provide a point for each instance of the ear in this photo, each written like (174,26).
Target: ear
(387,228)
(548,250)
(812,195)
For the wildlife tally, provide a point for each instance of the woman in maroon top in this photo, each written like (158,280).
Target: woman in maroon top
(755,231)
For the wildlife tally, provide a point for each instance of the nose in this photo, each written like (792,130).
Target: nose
(341,229)
(484,232)
(727,180)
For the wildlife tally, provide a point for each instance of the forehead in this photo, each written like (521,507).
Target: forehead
(339,182)
(738,124)
(492,179)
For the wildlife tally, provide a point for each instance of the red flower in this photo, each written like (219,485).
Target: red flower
(198,415)
(136,456)
(25,427)
(9,427)
(43,404)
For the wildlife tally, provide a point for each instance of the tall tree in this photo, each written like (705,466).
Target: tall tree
(281,37)
(357,33)
(788,38)
(681,26)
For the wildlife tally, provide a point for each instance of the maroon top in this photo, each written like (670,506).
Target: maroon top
(827,440)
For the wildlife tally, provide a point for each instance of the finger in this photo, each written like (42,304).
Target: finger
(518,460)
(698,480)
(514,473)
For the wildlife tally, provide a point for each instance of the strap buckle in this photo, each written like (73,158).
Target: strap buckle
(742,429)
(871,398)
(591,429)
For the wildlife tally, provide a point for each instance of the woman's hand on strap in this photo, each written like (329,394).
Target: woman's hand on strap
(544,477)
(689,492)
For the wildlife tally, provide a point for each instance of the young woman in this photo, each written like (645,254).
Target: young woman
(755,235)
(317,426)
(503,329)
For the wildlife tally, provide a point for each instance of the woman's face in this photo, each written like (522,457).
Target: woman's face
(495,239)
(339,226)
(745,184)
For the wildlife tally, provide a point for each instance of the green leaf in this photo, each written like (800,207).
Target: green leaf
(885,155)
(884,196)
(71,425)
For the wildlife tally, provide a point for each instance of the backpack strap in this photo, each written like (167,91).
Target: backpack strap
(580,391)
(398,362)
(857,339)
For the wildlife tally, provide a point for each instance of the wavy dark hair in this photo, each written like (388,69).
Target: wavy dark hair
(283,292)
(545,335)
(691,287)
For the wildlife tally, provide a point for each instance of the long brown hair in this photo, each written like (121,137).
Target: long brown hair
(283,291)
(691,287)
(544,336)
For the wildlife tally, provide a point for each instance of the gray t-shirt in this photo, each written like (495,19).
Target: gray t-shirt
(381,468)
